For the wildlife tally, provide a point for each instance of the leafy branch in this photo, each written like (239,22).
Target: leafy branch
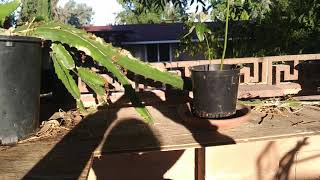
(203,33)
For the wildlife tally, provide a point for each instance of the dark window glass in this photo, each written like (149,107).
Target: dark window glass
(164,52)
(152,52)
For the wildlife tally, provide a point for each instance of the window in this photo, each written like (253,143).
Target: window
(158,52)
(152,52)
(164,52)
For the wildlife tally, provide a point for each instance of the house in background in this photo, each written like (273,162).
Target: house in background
(148,42)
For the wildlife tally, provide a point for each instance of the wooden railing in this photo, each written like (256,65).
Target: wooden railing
(270,73)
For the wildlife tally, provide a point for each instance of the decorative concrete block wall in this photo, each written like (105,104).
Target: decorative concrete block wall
(260,76)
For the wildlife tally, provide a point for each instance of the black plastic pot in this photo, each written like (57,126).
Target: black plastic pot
(215,91)
(20,66)
(309,77)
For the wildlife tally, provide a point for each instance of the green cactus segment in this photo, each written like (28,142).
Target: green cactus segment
(67,80)
(81,106)
(64,32)
(93,80)
(63,56)
(7,8)
(83,41)
(92,76)
(139,67)
(140,108)
(79,41)
(64,75)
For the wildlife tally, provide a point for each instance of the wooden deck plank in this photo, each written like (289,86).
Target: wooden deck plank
(20,162)
(122,130)
(172,134)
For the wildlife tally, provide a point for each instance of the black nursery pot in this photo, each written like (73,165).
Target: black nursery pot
(215,91)
(309,76)
(20,66)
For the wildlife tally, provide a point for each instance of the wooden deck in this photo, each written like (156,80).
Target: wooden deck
(122,130)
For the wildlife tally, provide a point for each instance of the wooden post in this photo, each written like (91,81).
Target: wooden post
(200,163)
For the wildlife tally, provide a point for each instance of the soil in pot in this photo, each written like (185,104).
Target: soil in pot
(215,91)
(20,65)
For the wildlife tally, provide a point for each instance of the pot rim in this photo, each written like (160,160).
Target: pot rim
(20,39)
(237,67)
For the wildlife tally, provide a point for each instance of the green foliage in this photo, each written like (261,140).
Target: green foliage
(76,14)
(93,80)
(93,77)
(257,27)
(104,54)
(180,4)
(63,62)
(203,32)
(272,27)
(206,35)
(38,10)
(264,28)
(241,10)
(211,45)
(294,26)
(79,39)
(134,13)
(282,26)
(6,9)
(64,75)
(63,56)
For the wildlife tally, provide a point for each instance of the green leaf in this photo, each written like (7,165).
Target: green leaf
(244,16)
(81,106)
(201,29)
(92,76)
(6,9)
(139,107)
(93,80)
(63,56)
(97,89)
(67,80)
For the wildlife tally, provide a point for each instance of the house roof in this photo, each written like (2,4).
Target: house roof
(153,33)
(136,33)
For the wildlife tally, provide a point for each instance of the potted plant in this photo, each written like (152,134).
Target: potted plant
(114,60)
(20,66)
(215,87)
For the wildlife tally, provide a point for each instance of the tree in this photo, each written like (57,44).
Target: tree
(293,27)
(45,10)
(135,13)
(37,10)
(76,14)
(10,20)
(54,8)
(241,10)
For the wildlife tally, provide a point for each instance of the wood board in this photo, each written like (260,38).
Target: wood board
(121,130)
